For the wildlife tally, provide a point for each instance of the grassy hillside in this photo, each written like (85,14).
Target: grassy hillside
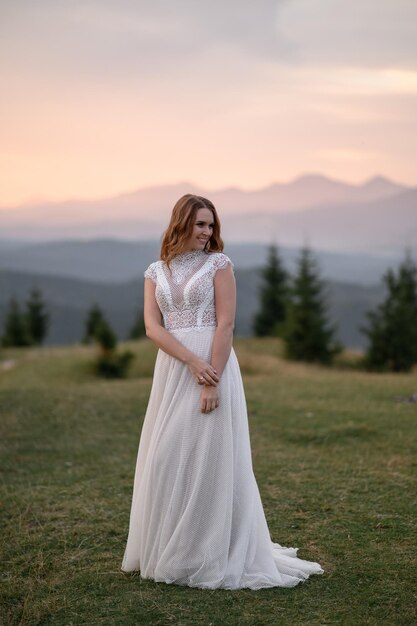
(334,453)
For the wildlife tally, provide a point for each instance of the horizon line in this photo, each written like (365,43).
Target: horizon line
(40,199)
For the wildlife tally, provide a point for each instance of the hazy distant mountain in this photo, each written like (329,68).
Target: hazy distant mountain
(381,226)
(305,192)
(116,260)
(103,260)
(143,214)
(69,300)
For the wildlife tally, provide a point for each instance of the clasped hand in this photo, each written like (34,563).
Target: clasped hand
(203,372)
(209,399)
(206,375)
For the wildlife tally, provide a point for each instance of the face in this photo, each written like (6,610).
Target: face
(202,230)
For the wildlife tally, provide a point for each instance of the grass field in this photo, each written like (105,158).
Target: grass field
(334,453)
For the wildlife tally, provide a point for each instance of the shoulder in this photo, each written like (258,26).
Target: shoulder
(220,260)
(151,271)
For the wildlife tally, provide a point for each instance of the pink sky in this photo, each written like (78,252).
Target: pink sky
(106,97)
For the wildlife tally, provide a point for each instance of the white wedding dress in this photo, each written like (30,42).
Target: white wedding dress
(197,518)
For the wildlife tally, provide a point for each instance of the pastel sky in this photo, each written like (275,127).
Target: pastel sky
(101,97)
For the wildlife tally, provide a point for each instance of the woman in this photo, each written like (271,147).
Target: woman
(197,518)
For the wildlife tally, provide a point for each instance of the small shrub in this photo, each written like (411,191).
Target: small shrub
(114,365)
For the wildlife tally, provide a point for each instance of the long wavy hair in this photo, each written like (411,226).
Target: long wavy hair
(181,226)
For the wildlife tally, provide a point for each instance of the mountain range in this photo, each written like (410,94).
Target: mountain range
(80,251)
(378,216)
(69,299)
(113,260)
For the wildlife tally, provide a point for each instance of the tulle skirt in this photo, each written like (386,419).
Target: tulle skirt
(196,517)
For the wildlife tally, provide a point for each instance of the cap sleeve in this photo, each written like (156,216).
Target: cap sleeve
(151,272)
(221,261)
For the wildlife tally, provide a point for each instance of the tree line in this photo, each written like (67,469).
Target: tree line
(28,325)
(295,309)
(292,307)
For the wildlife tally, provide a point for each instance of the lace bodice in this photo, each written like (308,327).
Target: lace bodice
(185,294)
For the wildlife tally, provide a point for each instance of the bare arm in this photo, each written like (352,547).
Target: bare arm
(225,303)
(168,343)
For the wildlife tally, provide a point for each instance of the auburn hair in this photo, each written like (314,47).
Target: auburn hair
(181,226)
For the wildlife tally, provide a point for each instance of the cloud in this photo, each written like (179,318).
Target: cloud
(152,41)
(362,32)
(136,37)
(105,95)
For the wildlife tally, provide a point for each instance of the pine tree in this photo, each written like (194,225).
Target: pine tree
(273,296)
(36,316)
(138,328)
(105,337)
(110,363)
(392,330)
(95,317)
(307,333)
(16,332)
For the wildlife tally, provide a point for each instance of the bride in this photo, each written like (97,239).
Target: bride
(196,516)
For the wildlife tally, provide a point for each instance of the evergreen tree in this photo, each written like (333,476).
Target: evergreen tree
(105,337)
(307,334)
(392,330)
(95,317)
(16,332)
(110,363)
(273,296)
(36,316)
(138,328)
